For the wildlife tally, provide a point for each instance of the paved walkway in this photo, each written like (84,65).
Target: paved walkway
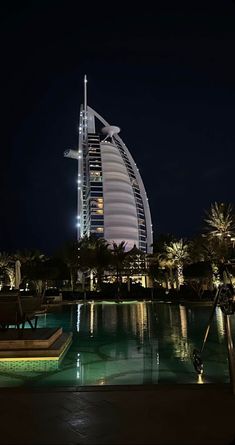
(164,415)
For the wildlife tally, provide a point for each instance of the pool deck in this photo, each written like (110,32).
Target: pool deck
(161,414)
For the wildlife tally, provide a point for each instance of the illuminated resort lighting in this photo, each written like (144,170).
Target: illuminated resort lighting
(28,359)
(78,316)
(199,378)
(183,321)
(91,318)
(78,366)
(29,362)
(220,324)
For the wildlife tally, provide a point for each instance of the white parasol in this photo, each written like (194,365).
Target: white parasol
(17,274)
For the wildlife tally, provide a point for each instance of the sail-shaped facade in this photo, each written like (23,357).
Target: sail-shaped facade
(112,202)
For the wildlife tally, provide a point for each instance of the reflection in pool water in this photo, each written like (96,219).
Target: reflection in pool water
(130,343)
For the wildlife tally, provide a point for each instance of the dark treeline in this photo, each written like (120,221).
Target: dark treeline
(92,264)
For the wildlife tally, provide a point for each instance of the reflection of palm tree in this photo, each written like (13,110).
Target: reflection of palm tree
(177,253)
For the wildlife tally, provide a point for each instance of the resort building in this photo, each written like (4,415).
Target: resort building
(112,202)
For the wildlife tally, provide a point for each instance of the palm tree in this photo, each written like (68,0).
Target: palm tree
(220,229)
(158,271)
(220,222)
(177,253)
(70,256)
(160,241)
(100,258)
(5,259)
(118,258)
(7,267)
(28,256)
(161,267)
(207,249)
(32,269)
(166,266)
(95,256)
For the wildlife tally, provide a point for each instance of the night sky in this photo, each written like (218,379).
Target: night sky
(167,78)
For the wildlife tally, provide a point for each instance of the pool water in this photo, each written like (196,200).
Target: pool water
(129,343)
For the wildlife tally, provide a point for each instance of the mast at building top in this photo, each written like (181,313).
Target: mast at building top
(85,95)
(83,130)
(85,114)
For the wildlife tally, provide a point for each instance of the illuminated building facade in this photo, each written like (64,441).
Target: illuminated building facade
(112,202)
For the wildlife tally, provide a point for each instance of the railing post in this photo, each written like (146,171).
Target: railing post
(230,348)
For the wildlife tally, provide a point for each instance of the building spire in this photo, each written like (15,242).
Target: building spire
(85,94)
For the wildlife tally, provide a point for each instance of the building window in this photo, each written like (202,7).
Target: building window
(97,203)
(99,229)
(96,216)
(94,194)
(96,179)
(96,188)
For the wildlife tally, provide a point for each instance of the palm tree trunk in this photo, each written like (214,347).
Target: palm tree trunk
(177,279)
(180,277)
(91,281)
(171,278)
(166,280)
(99,279)
(83,282)
(118,284)
(128,284)
(71,280)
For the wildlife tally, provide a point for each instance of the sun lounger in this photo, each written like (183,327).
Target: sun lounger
(30,307)
(17,311)
(11,311)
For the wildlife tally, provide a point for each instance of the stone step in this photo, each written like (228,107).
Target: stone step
(55,350)
(40,338)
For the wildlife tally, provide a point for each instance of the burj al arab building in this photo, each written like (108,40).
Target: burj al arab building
(112,202)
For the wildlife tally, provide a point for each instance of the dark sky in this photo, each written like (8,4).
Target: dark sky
(167,78)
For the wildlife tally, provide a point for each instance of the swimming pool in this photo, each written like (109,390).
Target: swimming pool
(129,343)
